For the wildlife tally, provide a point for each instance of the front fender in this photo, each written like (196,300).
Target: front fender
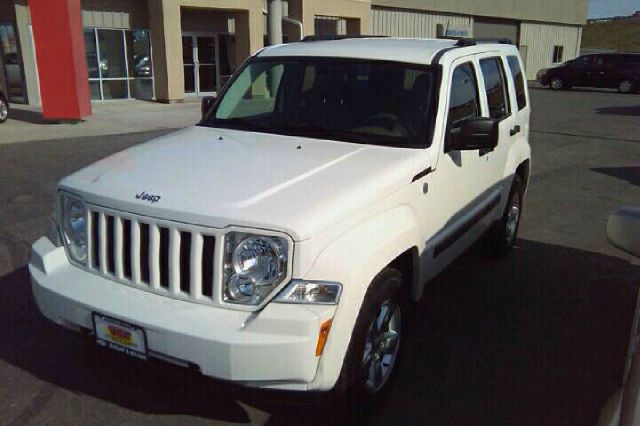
(354,259)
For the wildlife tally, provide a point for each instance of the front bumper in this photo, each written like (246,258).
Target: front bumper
(273,348)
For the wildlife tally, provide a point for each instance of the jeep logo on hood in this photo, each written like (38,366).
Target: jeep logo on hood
(144,196)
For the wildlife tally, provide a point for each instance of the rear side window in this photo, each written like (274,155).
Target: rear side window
(495,86)
(464,102)
(518,79)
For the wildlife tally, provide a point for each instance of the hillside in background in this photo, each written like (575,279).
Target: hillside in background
(622,35)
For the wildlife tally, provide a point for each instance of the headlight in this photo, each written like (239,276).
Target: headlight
(74,227)
(311,292)
(255,265)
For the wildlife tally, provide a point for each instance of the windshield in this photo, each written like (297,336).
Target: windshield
(369,102)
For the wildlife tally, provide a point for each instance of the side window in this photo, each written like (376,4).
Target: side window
(518,79)
(464,102)
(495,86)
(582,62)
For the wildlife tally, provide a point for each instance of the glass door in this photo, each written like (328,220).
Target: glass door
(208,60)
(188,59)
(206,64)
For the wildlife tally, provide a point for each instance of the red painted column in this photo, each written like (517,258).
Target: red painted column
(62,66)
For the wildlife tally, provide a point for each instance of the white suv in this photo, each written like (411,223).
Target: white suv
(276,244)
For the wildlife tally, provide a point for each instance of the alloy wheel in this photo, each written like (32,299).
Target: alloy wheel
(513,218)
(4,110)
(381,346)
(557,83)
(625,86)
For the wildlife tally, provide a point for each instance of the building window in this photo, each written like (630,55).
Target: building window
(119,63)
(558,54)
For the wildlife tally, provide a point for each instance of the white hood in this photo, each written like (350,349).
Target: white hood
(218,177)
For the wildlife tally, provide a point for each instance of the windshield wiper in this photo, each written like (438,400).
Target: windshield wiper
(238,123)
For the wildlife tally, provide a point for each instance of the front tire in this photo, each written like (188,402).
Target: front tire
(4,109)
(371,362)
(502,237)
(557,83)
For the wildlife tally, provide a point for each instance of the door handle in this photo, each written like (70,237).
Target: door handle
(515,131)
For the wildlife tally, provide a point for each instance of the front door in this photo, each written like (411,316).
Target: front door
(199,61)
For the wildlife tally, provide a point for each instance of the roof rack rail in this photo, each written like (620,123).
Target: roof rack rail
(466,42)
(337,37)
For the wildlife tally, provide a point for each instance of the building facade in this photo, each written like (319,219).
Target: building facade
(168,50)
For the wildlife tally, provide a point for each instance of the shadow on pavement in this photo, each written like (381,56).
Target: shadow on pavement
(29,116)
(633,111)
(630,174)
(537,338)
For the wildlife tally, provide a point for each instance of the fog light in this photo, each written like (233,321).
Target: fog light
(241,288)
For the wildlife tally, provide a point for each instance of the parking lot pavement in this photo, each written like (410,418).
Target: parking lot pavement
(537,338)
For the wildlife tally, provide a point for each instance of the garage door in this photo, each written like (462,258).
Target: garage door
(496,28)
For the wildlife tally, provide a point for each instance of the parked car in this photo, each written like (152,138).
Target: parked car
(278,243)
(611,71)
(623,408)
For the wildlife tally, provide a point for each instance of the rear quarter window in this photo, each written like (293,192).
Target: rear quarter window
(518,81)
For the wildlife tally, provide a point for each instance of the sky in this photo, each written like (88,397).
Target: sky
(609,8)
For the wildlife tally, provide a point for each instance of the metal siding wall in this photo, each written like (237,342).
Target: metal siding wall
(414,23)
(114,14)
(540,40)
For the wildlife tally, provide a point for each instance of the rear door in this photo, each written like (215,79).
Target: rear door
(494,89)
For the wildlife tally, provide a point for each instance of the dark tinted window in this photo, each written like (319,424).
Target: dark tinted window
(629,61)
(583,61)
(518,79)
(464,95)
(494,82)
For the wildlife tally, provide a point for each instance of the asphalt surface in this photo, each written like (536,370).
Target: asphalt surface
(538,338)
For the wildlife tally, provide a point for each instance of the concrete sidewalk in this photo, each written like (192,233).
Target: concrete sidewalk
(109,118)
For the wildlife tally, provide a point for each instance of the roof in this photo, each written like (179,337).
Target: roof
(410,50)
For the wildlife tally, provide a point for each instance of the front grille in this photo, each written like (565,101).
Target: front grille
(165,258)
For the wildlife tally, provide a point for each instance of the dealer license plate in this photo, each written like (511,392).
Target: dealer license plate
(120,336)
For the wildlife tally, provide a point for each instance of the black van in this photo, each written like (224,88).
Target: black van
(611,70)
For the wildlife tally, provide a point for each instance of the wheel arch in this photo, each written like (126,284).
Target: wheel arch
(390,239)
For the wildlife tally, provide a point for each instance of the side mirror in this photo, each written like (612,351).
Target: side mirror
(477,133)
(207,103)
(623,230)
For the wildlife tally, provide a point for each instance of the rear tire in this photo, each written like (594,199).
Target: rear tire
(371,362)
(502,236)
(626,86)
(4,109)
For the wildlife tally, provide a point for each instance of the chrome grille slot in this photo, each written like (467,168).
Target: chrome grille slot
(126,249)
(110,243)
(164,258)
(208,244)
(144,253)
(185,264)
